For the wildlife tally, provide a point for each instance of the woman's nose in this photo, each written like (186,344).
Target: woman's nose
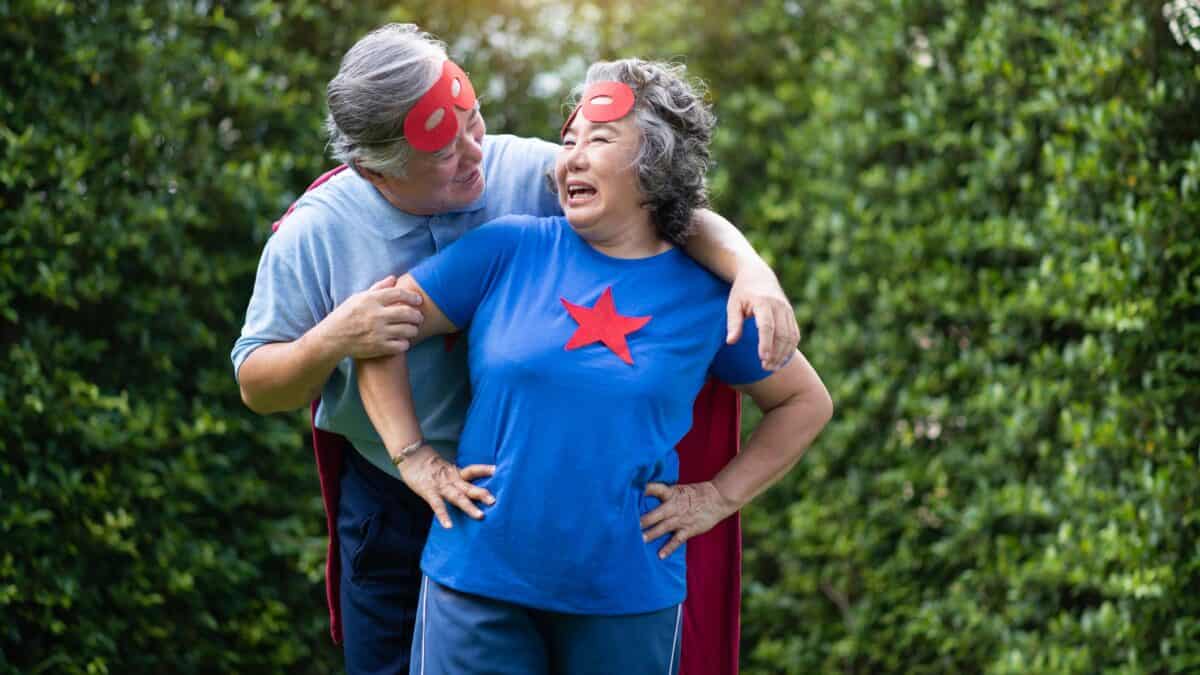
(576,157)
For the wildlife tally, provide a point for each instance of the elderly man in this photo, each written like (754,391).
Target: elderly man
(405,120)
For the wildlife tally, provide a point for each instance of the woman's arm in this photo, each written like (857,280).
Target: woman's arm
(796,406)
(718,246)
(288,375)
(386,394)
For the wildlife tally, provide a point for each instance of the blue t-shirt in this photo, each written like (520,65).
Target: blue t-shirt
(575,433)
(344,236)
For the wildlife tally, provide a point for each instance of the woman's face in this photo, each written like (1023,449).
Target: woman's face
(597,181)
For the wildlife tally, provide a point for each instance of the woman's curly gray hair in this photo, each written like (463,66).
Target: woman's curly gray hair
(676,127)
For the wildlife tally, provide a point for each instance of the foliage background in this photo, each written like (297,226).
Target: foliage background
(985,213)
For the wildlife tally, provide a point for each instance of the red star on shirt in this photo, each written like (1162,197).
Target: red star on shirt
(601,323)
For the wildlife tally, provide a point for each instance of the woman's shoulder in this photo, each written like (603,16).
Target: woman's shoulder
(522,226)
(699,278)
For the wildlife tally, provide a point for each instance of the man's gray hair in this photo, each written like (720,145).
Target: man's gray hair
(380,80)
(676,127)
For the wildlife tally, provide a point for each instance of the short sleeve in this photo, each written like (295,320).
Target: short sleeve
(738,363)
(548,204)
(285,304)
(458,278)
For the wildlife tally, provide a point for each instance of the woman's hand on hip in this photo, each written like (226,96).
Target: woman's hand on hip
(437,481)
(687,510)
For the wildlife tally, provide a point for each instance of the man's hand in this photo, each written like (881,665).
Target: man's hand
(687,510)
(380,321)
(437,481)
(756,291)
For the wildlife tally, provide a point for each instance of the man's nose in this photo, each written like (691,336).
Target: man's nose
(471,148)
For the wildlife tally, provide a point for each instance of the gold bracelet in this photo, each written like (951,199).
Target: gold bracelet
(407,450)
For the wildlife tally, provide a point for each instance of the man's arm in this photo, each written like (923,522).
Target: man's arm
(280,376)
(723,250)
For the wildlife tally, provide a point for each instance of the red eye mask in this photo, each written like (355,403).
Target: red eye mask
(602,102)
(423,130)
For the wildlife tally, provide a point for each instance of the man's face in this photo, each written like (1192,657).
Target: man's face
(444,180)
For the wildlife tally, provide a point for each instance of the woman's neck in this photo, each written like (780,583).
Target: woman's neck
(633,240)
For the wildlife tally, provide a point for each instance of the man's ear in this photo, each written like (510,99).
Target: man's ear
(362,170)
(374,177)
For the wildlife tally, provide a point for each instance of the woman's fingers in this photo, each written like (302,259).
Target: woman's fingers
(669,525)
(439,510)
(664,510)
(675,543)
(686,510)
(438,481)
(658,515)
(455,495)
(476,471)
(661,490)
(479,494)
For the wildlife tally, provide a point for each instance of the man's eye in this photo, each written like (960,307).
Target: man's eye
(568,142)
(598,139)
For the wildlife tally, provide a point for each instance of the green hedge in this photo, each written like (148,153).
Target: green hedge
(987,215)
(984,212)
(150,523)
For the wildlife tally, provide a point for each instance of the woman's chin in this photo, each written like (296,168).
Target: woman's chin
(579,218)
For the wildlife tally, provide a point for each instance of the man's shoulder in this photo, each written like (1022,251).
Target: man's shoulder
(325,212)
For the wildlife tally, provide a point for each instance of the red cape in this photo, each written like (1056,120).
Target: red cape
(711,613)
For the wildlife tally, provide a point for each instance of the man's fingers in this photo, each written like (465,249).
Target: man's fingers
(395,294)
(476,471)
(733,321)
(766,332)
(402,314)
(397,331)
(392,347)
(386,282)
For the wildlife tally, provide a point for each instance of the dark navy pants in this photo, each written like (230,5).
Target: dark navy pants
(463,634)
(382,526)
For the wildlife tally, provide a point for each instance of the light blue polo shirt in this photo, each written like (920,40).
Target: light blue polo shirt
(342,238)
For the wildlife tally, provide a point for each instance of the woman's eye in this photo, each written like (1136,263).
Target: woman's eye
(568,142)
(598,139)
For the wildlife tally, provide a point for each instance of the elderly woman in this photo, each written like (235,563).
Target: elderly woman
(588,342)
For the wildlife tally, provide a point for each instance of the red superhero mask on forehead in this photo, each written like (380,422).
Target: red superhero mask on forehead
(432,122)
(603,102)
